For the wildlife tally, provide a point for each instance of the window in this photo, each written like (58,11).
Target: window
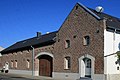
(11,63)
(67,43)
(16,64)
(118,68)
(88,63)
(28,63)
(67,62)
(86,40)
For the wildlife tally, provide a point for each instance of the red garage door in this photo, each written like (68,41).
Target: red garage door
(45,66)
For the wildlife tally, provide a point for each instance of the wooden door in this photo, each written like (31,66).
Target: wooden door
(45,66)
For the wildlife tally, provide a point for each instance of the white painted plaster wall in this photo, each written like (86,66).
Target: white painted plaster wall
(1,48)
(111,45)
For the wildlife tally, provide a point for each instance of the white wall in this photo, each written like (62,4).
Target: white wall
(111,45)
(1,48)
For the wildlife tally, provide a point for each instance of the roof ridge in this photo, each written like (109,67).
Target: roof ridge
(104,13)
(36,37)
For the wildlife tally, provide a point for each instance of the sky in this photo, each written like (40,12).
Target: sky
(21,19)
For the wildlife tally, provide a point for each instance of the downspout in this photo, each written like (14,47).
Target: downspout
(114,41)
(32,60)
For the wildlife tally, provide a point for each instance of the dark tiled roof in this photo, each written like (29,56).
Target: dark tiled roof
(111,20)
(43,39)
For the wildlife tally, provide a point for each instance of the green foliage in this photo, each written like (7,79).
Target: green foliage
(118,54)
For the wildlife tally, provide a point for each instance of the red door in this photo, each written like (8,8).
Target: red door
(45,66)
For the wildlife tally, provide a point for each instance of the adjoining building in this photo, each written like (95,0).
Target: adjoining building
(1,48)
(84,46)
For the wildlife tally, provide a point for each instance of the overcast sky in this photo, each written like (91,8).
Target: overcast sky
(21,19)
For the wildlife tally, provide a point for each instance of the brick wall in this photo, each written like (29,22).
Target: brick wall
(78,24)
(24,55)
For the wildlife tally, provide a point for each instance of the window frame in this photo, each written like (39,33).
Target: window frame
(28,63)
(67,63)
(12,64)
(67,43)
(16,64)
(86,40)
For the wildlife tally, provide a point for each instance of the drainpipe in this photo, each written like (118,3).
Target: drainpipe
(114,41)
(32,60)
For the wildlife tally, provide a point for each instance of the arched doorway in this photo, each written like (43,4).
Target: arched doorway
(86,66)
(45,64)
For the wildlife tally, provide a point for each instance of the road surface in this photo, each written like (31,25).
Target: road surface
(11,77)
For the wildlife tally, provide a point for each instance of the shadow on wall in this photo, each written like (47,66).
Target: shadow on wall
(119,46)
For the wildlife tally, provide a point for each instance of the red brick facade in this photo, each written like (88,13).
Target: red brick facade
(80,23)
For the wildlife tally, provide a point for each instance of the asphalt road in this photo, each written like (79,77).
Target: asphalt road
(10,77)
(20,77)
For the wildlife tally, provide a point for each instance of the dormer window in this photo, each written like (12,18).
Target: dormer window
(86,40)
(67,43)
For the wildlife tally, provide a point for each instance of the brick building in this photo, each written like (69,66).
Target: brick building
(84,46)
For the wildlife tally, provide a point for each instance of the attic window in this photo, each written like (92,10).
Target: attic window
(76,7)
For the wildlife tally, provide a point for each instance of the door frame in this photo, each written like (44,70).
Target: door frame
(47,54)
(81,71)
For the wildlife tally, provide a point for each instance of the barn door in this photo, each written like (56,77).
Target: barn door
(45,66)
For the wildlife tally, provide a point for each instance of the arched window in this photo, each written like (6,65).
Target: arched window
(28,63)
(67,62)
(86,40)
(11,63)
(16,64)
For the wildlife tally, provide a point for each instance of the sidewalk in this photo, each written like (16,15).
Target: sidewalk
(30,77)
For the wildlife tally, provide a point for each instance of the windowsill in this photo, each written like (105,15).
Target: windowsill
(67,47)
(67,69)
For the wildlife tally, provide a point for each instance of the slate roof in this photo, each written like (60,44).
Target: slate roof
(43,39)
(48,38)
(111,21)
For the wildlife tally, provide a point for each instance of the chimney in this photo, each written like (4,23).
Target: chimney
(38,34)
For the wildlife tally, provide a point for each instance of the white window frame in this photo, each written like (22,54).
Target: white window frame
(67,63)
(86,40)
(12,63)
(67,43)
(16,64)
(28,63)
